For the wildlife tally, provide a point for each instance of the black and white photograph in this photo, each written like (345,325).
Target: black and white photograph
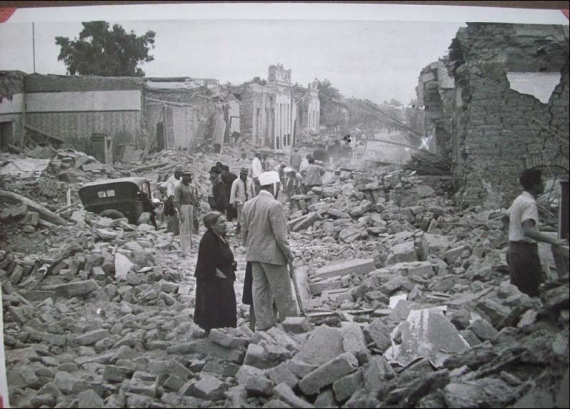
(278,205)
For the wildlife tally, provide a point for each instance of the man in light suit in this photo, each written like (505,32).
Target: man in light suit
(265,236)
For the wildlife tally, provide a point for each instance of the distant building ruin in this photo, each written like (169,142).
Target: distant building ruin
(273,114)
(508,108)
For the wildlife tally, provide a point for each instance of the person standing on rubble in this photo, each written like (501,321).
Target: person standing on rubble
(305,163)
(256,171)
(228,178)
(293,183)
(265,237)
(313,175)
(522,256)
(217,197)
(215,276)
(186,202)
(296,160)
(172,224)
(241,192)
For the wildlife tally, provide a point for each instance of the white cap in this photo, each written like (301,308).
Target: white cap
(269,178)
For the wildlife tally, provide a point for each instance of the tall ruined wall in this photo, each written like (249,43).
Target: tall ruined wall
(499,122)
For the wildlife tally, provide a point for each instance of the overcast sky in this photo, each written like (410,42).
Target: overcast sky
(373,60)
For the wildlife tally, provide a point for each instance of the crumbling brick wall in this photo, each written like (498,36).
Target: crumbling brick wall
(497,127)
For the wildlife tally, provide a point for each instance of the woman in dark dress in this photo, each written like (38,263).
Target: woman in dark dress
(215,276)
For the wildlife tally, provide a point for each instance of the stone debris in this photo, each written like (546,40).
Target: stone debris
(408,299)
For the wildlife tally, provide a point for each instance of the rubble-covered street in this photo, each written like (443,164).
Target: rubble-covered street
(408,300)
(416,228)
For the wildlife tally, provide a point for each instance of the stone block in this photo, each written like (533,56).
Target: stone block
(92,337)
(221,368)
(483,329)
(258,386)
(455,254)
(283,339)
(76,289)
(245,371)
(323,344)
(303,223)
(401,253)
(97,273)
(345,387)
(224,339)
(356,266)
(89,399)
(69,384)
(143,383)
(282,374)
(379,333)
(328,373)
(433,244)
(377,371)
(426,333)
(495,311)
(296,325)
(299,368)
(257,357)
(317,287)
(209,388)
(116,374)
(174,383)
(326,399)
(286,394)
(353,341)
(208,348)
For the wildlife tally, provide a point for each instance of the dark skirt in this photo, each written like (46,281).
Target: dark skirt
(215,304)
(247,297)
(524,267)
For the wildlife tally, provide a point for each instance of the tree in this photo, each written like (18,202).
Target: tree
(104,52)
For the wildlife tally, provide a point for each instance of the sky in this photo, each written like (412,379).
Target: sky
(376,60)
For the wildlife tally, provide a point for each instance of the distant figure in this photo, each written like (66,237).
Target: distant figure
(280,170)
(305,163)
(217,197)
(313,175)
(228,179)
(256,171)
(186,202)
(215,276)
(242,191)
(293,184)
(172,224)
(296,159)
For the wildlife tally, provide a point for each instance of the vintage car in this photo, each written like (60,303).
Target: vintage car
(118,198)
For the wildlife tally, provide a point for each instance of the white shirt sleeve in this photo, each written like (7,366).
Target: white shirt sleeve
(529,212)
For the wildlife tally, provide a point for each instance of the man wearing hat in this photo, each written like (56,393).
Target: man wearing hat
(265,236)
(186,202)
(228,178)
(217,197)
(172,225)
(242,191)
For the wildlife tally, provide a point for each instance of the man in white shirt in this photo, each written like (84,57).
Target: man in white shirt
(242,191)
(305,163)
(522,257)
(256,171)
(169,209)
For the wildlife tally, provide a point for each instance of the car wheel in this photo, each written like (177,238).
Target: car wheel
(113,214)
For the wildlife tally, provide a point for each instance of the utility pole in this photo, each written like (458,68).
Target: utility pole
(34,45)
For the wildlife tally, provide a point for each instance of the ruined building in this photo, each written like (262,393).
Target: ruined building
(507,109)
(168,113)
(272,115)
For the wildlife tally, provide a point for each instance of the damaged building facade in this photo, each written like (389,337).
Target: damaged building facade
(168,113)
(273,115)
(71,109)
(507,109)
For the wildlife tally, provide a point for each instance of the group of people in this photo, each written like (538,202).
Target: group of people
(267,285)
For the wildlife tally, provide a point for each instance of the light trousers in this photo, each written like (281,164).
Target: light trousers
(186,228)
(271,280)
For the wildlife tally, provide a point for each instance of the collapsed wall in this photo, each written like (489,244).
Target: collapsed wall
(511,105)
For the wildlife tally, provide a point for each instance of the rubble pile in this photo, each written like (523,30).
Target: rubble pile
(407,296)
